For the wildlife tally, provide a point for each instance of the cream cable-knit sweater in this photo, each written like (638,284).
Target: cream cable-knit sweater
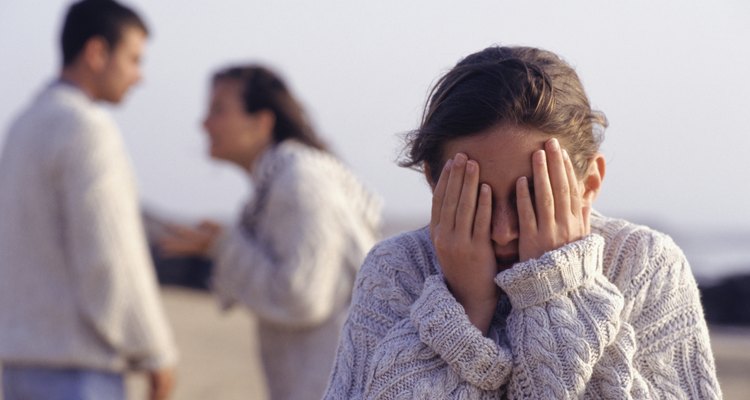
(615,315)
(293,259)
(77,285)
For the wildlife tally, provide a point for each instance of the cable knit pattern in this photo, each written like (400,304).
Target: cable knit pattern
(292,261)
(77,285)
(615,315)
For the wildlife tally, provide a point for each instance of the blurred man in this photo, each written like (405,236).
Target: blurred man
(79,304)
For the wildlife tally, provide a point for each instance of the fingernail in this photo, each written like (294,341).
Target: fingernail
(485,188)
(539,156)
(461,157)
(565,154)
(447,165)
(471,166)
(522,180)
(554,143)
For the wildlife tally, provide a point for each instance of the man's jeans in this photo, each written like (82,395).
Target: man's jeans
(38,383)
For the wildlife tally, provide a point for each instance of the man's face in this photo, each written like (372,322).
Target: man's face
(123,66)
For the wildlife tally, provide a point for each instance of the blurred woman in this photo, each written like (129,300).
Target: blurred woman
(517,288)
(292,258)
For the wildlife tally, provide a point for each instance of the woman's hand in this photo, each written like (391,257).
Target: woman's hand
(185,241)
(559,217)
(460,232)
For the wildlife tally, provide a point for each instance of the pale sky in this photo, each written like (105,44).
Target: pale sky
(671,76)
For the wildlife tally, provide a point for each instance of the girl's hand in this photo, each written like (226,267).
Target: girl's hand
(559,217)
(186,241)
(460,232)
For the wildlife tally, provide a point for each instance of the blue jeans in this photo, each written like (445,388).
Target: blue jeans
(39,383)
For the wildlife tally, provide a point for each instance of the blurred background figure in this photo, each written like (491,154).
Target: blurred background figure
(78,298)
(292,258)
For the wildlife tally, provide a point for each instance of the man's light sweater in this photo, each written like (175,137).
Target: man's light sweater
(614,315)
(293,259)
(77,286)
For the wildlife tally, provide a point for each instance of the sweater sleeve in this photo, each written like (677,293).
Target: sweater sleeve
(289,273)
(570,338)
(671,348)
(105,243)
(410,339)
(565,313)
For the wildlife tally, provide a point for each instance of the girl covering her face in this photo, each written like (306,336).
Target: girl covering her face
(518,288)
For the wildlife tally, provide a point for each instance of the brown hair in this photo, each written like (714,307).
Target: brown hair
(262,89)
(90,18)
(507,85)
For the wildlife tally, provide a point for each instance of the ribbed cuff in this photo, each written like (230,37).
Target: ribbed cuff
(443,325)
(556,272)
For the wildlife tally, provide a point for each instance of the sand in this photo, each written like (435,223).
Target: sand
(220,357)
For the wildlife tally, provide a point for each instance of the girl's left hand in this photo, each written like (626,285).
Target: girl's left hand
(559,217)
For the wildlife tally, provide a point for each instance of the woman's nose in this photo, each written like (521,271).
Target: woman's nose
(504,225)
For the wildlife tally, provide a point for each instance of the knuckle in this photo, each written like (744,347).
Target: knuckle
(564,190)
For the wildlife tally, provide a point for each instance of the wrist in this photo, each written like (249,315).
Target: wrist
(479,310)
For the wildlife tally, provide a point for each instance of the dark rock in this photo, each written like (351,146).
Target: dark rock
(727,302)
(189,272)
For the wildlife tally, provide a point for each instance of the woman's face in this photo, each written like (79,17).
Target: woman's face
(504,154)
(235,135)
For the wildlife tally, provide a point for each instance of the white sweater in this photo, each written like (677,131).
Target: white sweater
(615,315)
(77,285)
(292,261)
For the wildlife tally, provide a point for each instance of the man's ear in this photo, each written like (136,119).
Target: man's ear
(591,183)
(96,53)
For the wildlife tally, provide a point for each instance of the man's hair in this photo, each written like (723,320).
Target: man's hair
(91,18)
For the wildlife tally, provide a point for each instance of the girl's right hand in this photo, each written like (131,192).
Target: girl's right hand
(460,232)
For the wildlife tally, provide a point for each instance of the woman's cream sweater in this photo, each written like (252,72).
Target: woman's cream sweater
(292,261)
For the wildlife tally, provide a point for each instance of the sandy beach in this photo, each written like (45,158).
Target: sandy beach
(220,357)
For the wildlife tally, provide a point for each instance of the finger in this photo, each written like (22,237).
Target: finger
(439,193)
(483,218)
(467,203)
(527,223)
(453,191)
(180,230)
(575,196)
(558,181)
(545,203)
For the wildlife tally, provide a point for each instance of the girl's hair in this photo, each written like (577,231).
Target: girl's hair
(262,89)
(506,85)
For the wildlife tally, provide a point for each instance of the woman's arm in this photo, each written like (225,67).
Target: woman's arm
(290,271)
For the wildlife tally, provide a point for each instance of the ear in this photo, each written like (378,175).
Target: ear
(266,121)
(591,183)
(96,53)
